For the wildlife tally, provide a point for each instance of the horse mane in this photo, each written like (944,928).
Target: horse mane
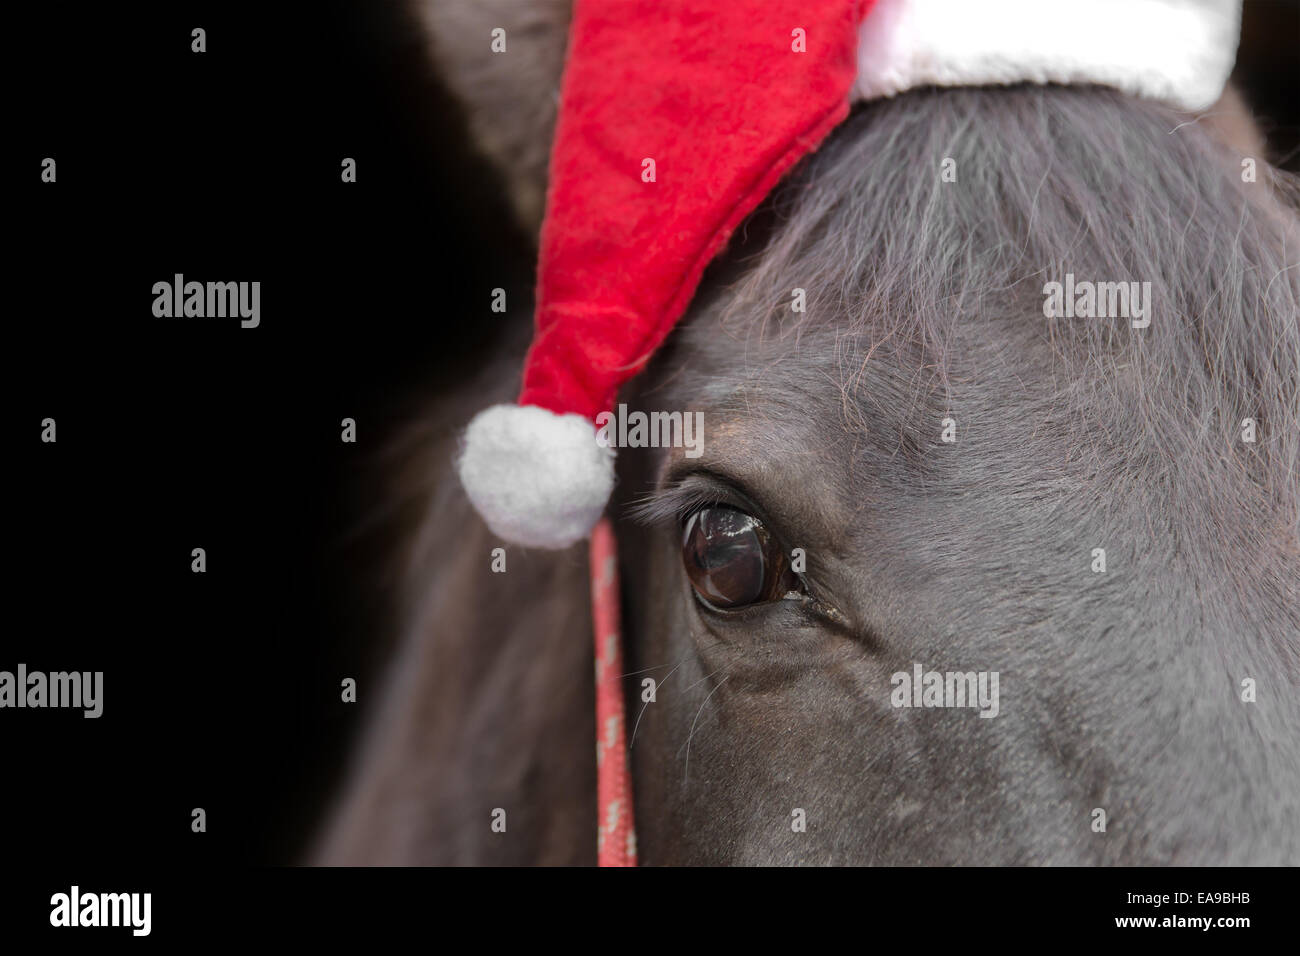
(488,702)
(1050,179)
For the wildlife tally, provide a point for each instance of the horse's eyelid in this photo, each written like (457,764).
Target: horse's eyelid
(686,492)
(672,505)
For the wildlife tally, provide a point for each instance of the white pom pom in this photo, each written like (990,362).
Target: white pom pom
(537,478)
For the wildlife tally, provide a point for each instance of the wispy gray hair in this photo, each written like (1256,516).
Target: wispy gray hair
(1053,180)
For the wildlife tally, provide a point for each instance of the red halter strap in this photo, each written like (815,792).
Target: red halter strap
(615,829)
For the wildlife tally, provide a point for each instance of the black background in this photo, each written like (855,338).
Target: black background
(222,690)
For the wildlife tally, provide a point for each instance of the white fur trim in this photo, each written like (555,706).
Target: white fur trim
(1179,51)
(537,478)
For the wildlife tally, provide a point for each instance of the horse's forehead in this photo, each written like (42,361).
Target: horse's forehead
(860,434)
(839,388)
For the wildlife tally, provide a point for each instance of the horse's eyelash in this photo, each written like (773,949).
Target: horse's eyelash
(688,492)
(673,505)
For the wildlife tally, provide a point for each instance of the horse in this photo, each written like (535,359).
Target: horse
(1100,515)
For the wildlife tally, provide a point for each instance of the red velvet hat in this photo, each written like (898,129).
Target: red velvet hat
(677,117)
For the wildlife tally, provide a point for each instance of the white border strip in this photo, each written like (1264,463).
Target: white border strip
(1178,51)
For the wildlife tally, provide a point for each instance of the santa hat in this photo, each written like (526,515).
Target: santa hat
(677,117)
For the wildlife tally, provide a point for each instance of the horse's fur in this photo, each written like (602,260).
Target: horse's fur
(1119,690)
(511,96)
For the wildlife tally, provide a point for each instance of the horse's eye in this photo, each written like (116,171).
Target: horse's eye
(732,561)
